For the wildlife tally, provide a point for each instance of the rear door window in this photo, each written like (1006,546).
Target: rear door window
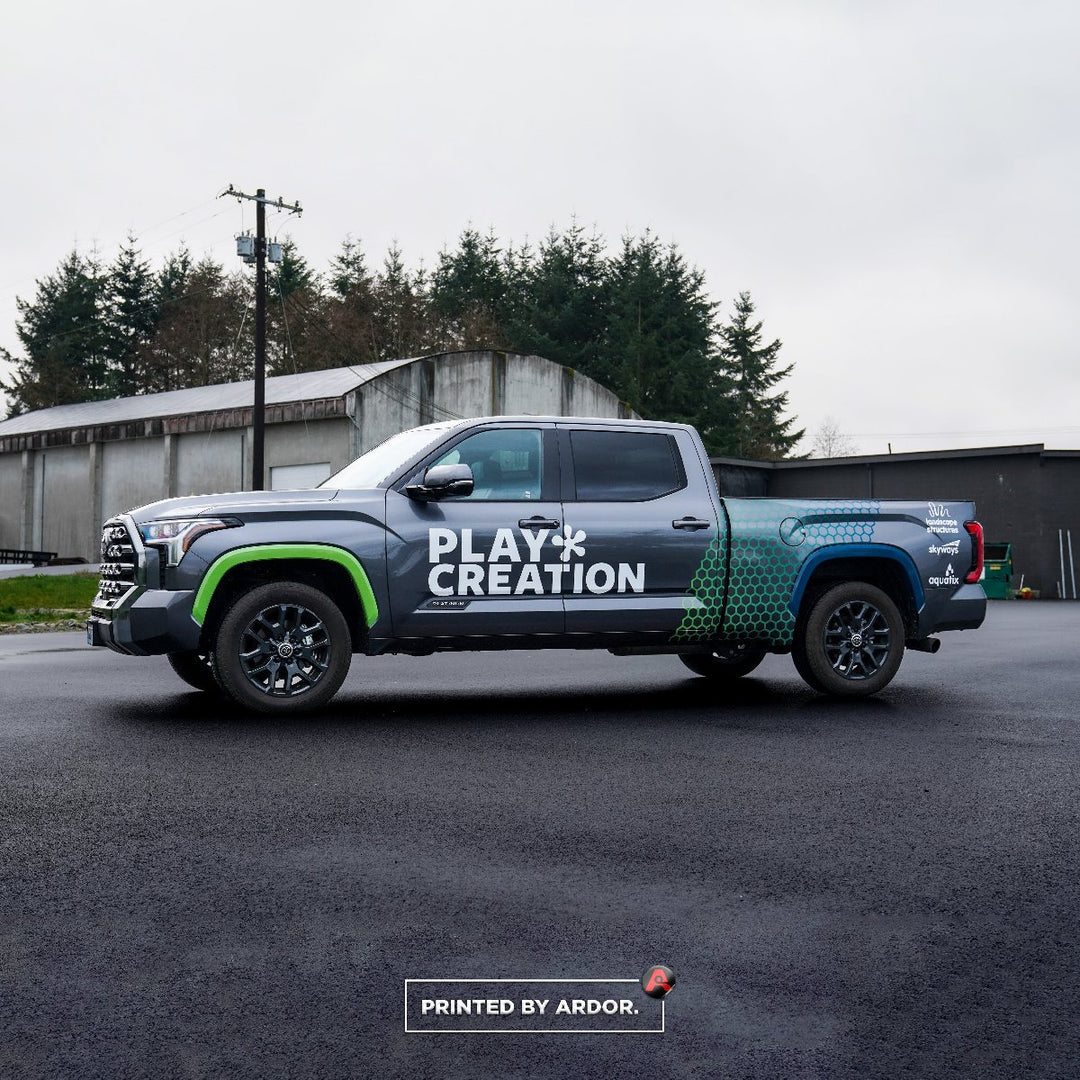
(625,466)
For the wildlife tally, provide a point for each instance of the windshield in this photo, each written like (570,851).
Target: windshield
(370,469)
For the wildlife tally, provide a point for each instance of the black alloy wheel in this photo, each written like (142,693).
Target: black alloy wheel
(283,647)
(853,641)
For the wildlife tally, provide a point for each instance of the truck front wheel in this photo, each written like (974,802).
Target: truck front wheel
(852,642)
(283,647)
(731,661)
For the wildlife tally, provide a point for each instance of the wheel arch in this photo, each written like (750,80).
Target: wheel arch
(891,569)
(332,570)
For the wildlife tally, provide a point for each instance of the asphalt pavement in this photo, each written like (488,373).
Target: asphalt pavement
(884,888)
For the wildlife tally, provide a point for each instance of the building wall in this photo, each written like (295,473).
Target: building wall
(210,461)
(308,443)
(11,505)
(466,384)
(63,501)
(132,474)
(1061,519)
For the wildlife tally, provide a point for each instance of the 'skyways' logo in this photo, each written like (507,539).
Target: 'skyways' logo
(952,547)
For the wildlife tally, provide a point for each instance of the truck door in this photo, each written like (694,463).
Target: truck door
(637,526)
(475,565)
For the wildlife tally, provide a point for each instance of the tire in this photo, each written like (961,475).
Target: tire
(852,642)
(282,648)
(725,662)
(196,669)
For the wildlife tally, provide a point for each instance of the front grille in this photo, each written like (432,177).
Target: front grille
(119,562)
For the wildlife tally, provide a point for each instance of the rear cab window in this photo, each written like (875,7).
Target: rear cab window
(624,466)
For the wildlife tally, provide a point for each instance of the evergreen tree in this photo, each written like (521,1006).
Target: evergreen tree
(204,332)
(467,289)
(658,343)
(63,335)
(560,299)
(749,372)
(348,270)
(292,275)
(346,313)
(130,318)
(297,335)
(402,321)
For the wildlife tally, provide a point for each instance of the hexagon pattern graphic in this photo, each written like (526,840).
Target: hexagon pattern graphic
(764,568)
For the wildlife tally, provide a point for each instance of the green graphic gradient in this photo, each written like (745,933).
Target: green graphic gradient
(764,567)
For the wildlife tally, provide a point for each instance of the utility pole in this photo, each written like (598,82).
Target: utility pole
(257,252)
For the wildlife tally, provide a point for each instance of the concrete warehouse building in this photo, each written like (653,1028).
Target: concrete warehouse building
(64,470)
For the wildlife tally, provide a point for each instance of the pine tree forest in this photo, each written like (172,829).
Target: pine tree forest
(637,319)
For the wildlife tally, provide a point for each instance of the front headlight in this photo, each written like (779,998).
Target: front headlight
(175,536)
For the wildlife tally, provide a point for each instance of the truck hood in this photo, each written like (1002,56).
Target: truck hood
(243,503)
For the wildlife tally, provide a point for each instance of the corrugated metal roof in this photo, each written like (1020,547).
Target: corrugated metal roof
(280,389)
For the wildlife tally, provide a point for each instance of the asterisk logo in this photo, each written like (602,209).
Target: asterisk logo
(571,542)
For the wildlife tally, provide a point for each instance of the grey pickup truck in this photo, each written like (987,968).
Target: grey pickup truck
(523,533)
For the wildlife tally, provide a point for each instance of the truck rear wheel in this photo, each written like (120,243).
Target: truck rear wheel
(852,642)
(281,648)
(196,669)
(730,661)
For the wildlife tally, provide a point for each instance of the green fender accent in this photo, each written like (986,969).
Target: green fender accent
(262,552)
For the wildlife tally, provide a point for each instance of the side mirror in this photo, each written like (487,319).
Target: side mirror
(441,481)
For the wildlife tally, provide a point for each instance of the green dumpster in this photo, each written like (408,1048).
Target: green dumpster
(997,571)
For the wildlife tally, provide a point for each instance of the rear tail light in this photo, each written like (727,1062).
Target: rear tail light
(974,575)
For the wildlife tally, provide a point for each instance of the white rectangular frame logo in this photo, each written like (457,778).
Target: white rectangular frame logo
(532,1031)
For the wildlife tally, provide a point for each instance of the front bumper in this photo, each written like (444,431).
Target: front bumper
(150,621)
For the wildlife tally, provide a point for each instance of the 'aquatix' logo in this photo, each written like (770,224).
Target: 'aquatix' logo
(514,565)
(948,578)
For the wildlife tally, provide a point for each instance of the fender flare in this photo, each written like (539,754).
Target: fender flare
(857,551)
(265,552)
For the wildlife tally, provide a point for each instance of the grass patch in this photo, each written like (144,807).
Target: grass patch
(46,597)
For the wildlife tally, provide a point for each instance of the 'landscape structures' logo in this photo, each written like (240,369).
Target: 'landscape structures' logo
(515,563)
(940,520)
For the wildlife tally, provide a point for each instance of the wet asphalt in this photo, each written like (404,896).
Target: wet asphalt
(885,888)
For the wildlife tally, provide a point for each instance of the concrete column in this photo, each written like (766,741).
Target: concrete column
(498,383)
(246,456)
(168,479)
(96,514)
(427,391)
(354,409)
(26,505)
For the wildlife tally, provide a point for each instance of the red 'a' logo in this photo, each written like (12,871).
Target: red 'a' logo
(658,981)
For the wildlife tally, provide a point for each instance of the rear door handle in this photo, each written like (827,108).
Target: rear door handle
(538,523)
(691,523)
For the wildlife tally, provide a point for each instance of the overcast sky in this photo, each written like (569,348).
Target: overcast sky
(894,183)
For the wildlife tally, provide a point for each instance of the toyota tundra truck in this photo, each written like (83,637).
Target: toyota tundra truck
(525,533)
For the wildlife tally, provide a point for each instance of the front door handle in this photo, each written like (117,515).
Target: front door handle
(538,523)
(691,523)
